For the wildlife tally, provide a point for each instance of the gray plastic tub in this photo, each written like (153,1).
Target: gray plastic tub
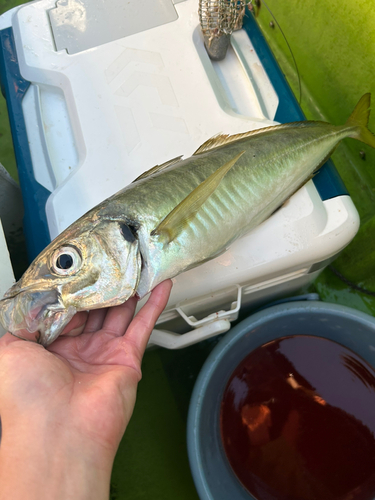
(211,471)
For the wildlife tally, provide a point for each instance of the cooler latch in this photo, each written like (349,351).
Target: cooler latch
(205,327)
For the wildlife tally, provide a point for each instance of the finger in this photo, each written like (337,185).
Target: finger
(95,320)
(8,338)
(118,318)
(76,325)
(140,329)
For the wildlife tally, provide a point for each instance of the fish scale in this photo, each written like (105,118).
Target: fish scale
(174,217)
(243,187)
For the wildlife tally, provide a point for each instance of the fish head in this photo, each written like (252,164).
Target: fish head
(92,264)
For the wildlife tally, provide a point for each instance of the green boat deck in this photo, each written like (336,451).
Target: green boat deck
(333,47)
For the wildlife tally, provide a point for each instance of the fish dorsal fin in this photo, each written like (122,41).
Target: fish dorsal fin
(158,168)
(176,221)
(223,139)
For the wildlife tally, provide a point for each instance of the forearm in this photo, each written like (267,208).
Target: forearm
(39,464)
(65,409)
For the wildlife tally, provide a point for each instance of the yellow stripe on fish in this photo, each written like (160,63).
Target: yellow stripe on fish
(172,218)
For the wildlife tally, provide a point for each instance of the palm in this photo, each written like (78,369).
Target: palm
(90,374)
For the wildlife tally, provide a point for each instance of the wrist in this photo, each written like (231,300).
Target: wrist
(42,460)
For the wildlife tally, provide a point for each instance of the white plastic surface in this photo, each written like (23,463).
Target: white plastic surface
(99,118)
(281,256)
(82,24)
(6,271)
(171,340)
(305,231)
(131,104)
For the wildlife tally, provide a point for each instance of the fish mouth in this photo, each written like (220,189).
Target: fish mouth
(38,316)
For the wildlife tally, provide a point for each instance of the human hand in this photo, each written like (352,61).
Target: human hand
(64,409)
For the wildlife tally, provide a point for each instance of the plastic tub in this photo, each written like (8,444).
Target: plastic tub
(211,471)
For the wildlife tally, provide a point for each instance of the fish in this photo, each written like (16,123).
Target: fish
(172,218)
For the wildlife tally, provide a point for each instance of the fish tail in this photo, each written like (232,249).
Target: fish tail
(358,121)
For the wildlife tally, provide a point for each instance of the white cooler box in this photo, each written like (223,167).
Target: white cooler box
(97,96)
(6,271)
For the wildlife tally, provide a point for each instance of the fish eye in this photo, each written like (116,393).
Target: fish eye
(66,261)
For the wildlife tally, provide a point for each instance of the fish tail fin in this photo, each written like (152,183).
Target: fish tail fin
(358,121)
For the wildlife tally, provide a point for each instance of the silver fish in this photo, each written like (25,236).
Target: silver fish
(171,219)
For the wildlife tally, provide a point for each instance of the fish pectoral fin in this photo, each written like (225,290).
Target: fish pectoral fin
(158,168)
(177,220)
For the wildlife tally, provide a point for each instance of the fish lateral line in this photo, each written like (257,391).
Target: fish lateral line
(115,266)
